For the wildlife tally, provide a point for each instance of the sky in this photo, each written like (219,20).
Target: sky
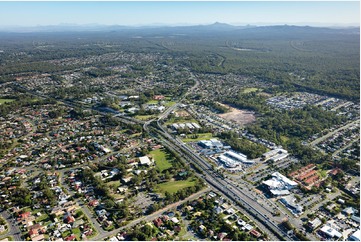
(314,13)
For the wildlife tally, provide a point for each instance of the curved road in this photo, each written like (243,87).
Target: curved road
(13,230)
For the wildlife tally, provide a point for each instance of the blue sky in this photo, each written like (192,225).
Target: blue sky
(178,13)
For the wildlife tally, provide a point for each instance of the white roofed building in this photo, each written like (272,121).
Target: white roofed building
(228,162)
(290,202)
(196,125)
(330,232)
(279,184)
(355,236)
(144,160)
(277,154)
(238,157)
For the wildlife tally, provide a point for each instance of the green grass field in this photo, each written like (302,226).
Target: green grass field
(153,102)
(251,89)
(169,103)
(174,186)
(180,120)
(161,160)
(284,138)
(77,233)
(43,217)
(6,100)
(203,136)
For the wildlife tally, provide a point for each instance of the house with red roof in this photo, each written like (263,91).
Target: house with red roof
(70,238)
(24,215)
(158,222)
(69,219)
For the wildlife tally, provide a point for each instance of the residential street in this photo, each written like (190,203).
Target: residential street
(13,230)
(152,216)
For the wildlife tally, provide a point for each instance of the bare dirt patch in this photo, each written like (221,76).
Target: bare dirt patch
(182,113)
(238,116)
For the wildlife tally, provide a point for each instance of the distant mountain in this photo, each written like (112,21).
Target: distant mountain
(215,28)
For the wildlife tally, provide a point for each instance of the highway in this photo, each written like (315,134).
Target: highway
(251,207)
(222,185)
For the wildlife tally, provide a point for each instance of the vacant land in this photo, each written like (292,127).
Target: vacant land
(238,116)
(174,186)
(250,89)
(153,102)
(182,113)
(198,137)
(144,117)
(169,104)
(6,100)
(162,159)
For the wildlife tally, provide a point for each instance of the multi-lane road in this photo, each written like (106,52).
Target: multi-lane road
(228,189)
(247,202)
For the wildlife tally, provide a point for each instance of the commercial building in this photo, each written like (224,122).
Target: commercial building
(330,232)
(314,223)
(196,125)
(144,160)
(228,162)
(279,184)
(236,156)
(355,236)
(275,155)
(211,144)
(290,202)
(189,125)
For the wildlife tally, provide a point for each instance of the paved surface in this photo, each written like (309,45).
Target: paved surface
(318,140)
(346,146)
(81,204)
(13,230)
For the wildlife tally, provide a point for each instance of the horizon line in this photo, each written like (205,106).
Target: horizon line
(256,24)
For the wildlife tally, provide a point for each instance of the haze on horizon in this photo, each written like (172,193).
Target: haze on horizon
(328,13)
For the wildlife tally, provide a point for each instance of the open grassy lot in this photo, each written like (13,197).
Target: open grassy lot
(250,89)
(77,233)
(180,120)
(43,217)
(162,159)
(174,186)
(6,100)
(153,102)
(284,138)
(144,117)
(202,136)
(10,238)
(169,103)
